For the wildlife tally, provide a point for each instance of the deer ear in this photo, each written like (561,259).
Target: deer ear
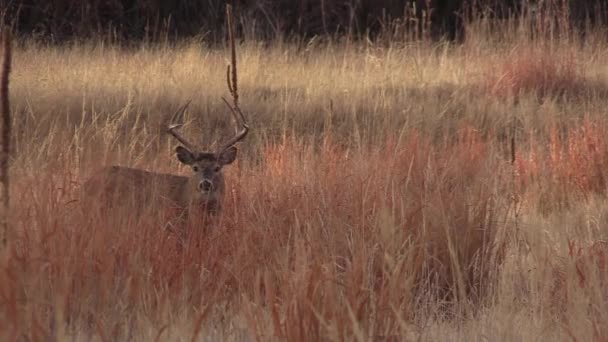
(228,156)
(184,155)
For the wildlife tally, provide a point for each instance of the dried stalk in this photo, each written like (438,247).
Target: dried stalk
(232,71)
(6,132)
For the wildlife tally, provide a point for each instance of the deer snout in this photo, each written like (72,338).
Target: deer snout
(205,185)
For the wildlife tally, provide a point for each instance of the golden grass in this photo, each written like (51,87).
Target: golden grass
(375,196)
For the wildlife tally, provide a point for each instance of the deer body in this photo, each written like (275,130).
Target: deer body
(134,189)
(138,190)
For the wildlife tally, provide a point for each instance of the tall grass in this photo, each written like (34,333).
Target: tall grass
(375,196)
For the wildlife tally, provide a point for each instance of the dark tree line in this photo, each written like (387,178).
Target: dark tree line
(59,20)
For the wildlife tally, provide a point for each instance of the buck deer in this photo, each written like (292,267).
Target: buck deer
(135,189)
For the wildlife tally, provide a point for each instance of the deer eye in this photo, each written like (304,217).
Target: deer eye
(217,168)
(195,168)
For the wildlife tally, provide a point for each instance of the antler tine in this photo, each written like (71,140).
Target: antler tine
(174,125)
(238,116)
(232,81)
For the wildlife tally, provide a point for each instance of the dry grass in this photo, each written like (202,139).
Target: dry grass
(535,71)
(374,197)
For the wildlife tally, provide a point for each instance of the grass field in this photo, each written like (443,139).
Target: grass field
(404,192)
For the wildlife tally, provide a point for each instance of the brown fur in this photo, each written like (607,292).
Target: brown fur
(141,191)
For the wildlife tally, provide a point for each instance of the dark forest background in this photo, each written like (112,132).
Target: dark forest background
(154,20)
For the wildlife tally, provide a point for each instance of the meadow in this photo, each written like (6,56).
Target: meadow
(387,191)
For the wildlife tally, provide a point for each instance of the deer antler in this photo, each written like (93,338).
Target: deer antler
(174,125)
(232,81)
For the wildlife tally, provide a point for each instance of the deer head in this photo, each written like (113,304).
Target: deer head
(207,179)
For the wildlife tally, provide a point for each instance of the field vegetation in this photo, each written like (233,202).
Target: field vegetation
(388,190)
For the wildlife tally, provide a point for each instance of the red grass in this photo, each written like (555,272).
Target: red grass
(584,270)
(535,71)
(318,241)
(574,161)
(590,261)
(311,242)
